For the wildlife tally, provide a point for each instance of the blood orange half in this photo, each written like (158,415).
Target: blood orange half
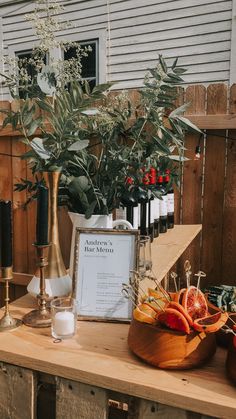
(195,303)
(179,296)
(210,324)
(173,319)
(182,310)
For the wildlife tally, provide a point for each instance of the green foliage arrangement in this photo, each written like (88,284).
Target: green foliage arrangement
(62,122)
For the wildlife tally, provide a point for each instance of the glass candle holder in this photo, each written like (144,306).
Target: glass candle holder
(64,317)
(145,258)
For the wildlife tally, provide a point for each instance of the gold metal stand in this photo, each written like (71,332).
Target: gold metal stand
(40,317)
(8,322)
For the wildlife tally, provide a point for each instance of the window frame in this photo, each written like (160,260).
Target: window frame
(84,37)
(87,43)
(80,37)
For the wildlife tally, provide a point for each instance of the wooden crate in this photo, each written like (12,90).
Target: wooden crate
(25,394)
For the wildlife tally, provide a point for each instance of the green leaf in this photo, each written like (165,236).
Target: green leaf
(180,110)
(79,183)
(90,112)
(189,124)
(7,120)
(38,147)
(45,106)
(154,73)
(179,70)
(90,211)
(174,63)
(178,158)
(78,145)
(101,88)
(163,63)
(87,87)
(14,121)
(162,147)
(33,126)
(29,154)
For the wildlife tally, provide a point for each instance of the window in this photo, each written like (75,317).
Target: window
(89,63)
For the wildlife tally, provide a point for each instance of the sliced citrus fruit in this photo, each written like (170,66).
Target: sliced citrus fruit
(144,314)
(195,303)
(159,294)
(156,305)
(182,310)
(210,324)
(173,319)
(179,296)
(173,295)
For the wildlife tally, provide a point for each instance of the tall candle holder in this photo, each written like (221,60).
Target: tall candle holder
(40,317)
(8,322)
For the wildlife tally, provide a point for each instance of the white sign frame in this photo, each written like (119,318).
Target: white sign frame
(104,259)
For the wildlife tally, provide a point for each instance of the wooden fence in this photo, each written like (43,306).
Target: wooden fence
(207,194)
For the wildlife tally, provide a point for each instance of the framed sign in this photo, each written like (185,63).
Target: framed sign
(104,260)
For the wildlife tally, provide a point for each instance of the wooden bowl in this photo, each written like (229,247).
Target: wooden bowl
(169,349)
(222,338)
(231,360)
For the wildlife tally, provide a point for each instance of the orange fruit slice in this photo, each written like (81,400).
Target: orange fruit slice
(195,303)
(210,324)
(181,309)
(175,320)
(173,295)
(179,296)
(144,314)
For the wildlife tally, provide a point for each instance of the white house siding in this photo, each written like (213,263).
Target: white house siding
(136,31)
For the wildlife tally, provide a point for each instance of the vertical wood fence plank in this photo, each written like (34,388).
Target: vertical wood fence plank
(17,393)
(77,400)
(213,199)
(179,192)
(229,219)
(20,241)
(192,178)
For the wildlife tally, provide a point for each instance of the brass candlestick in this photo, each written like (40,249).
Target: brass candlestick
(8,322)
(40,317)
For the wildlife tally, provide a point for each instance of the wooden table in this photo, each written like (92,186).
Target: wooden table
(89,368)
(96,366)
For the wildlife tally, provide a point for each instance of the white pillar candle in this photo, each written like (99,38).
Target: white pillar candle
(64,323)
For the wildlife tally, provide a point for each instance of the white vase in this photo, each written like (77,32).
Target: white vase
(95,221)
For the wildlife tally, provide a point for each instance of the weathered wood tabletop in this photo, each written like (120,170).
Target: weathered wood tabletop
(99,355)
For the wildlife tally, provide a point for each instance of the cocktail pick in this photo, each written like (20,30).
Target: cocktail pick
(188,272)
(228,329)
(230,318)
(199,275)
(127,293)
(173,276)
(135,283)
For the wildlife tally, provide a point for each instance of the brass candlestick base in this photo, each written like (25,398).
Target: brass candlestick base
(40,317)
(8,322)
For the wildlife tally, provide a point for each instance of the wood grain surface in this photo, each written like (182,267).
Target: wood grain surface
(229,219)
(99,356)
(17,392)
(193,178)
(213,199)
